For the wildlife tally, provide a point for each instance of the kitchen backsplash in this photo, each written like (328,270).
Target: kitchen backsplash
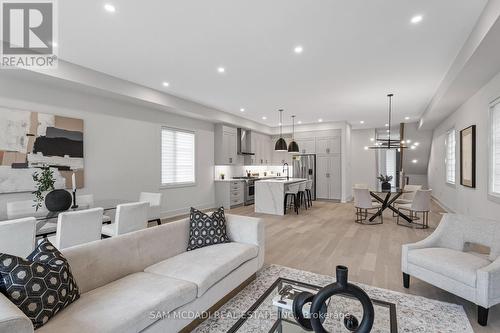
(231,171)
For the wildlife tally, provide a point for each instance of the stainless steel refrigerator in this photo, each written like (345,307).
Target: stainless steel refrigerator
(304,166)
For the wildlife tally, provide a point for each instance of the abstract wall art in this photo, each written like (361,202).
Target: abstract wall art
(29,140)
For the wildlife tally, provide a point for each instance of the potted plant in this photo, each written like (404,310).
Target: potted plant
(222,176)
(55,200)
(386,181)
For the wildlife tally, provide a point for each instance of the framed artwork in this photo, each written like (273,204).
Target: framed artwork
(468,156)
(29,140)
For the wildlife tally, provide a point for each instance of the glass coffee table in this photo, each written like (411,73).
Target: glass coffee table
(272,312)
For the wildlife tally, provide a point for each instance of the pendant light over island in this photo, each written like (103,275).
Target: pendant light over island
(293,147)
(281,143)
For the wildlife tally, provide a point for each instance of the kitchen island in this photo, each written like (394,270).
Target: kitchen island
(270,194)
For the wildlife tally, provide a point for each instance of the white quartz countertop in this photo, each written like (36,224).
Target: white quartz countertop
(229,180)
(282,181)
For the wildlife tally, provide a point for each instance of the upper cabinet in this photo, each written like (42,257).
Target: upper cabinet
(226,145)
(328,145)
(306,146)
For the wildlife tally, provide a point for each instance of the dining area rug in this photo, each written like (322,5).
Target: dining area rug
(414,313)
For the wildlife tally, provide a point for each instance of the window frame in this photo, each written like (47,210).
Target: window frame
(492,196)
(448,132)
(183,184)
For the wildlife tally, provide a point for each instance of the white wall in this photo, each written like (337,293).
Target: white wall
(363,162)
(458,198)
(122,144)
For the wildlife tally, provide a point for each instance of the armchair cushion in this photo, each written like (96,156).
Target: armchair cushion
(457,265)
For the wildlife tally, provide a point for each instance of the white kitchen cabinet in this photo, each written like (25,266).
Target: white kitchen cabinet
(306,146)
(328,176)
(226,151)
(328,145)
(229,193)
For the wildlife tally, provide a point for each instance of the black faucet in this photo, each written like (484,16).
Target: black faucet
(287,170)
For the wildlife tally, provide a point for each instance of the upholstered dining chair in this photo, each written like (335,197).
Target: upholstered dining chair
(78,227)
(154,200)
(421,204)
(363,203)
(445,260)
(26,208)
(409,194)
(87,201)
(129,217)
(17,237)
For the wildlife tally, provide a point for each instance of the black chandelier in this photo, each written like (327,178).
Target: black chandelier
(380,143)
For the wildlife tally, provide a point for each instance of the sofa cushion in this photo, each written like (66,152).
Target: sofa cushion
(125,305)
(206,266)
(206,230)
(457,265)
(41,285)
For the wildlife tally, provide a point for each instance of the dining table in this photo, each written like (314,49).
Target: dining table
(387,198)
(44,216)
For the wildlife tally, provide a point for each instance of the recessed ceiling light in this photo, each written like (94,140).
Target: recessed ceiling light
(416,143)
(320,120)
(362,122)
(299,122)
(414,161)
(110,8)
(366,147)
(387,131)
(242,110)
(264,118)
(408,141)
(417,19)
(386,125)
(413,147)
(372,139)
(407,118)
(279,124)
(165,84)
(221,70)
(298,49)
(54,44)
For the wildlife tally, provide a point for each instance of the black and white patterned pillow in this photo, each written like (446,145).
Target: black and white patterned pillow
(40,285)
(207,230)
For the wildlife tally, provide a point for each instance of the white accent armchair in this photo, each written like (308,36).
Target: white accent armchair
(443,260)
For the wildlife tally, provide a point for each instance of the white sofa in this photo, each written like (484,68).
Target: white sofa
(443,259)
(128,283)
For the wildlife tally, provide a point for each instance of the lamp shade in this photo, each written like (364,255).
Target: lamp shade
(293,147)
(280,145)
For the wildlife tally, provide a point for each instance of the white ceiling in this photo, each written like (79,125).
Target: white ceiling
(355,52)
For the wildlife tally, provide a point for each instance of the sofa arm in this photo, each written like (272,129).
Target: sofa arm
(12,319)
(488,284)
(249,230)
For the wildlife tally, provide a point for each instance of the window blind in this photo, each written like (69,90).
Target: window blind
(177,157)
(450,156)
(495,149)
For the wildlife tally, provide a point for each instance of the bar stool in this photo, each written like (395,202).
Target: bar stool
(302,194)
(292,191)
(309,185)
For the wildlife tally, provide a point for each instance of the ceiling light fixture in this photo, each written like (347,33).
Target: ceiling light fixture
(414,161)
(416,143)
(281,143)
(242,110)
(407,118)
(386,125)
(109,8)
(221,70)
(299,122)
(264,118)
(293,147)
(362,122)
(320,120)
(417,19)
(298,49)
(165,84)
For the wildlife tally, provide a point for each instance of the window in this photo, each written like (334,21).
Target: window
(450,156)
(390,165)
(177,157)
(494,174)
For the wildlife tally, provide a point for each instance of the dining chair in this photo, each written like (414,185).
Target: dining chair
(361,185)
(154,200)
(407,197)
(420,204)
(77,227)
(26,208)
(17,237)
(129,217)
(309,185)
(87,201)
(292,192)
(363,203)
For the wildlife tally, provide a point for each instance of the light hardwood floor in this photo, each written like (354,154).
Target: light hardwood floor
(325,236)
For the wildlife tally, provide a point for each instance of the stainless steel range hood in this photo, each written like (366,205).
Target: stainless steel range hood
(245,142)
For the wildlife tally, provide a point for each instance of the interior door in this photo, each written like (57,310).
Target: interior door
(322,177)
(335,177)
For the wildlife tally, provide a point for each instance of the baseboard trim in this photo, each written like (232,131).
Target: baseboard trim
(217,305)
(442,205)
(185,210)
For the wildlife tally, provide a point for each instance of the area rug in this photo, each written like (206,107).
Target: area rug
(414,313)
